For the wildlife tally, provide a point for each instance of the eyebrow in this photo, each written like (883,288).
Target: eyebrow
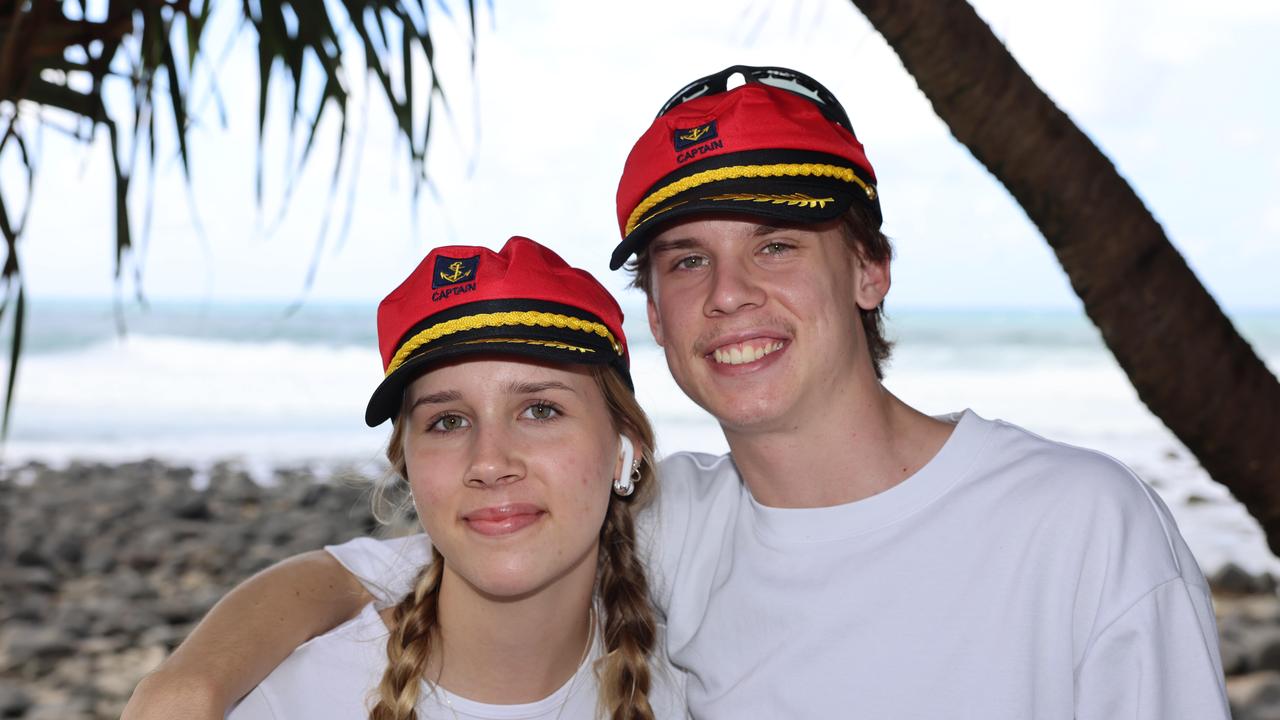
(764,229)
(758,230)
(513,388)
(533,388)
(661,246)
(436,398)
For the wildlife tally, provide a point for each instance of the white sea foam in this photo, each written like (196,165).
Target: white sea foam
(276,402)
(186,398)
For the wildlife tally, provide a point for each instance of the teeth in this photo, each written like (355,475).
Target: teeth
(745,353)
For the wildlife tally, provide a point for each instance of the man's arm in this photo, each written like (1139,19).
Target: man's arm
(243,637)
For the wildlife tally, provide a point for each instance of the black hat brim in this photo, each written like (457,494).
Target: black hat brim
(786,199)
(546,344)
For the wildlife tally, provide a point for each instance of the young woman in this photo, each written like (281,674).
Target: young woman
(516,429)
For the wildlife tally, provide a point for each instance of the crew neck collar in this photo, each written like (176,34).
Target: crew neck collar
(814,525)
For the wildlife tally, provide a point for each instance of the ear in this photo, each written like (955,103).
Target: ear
(655,320)
(872,284)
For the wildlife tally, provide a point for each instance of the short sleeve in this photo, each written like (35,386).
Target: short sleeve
(1156,661)
(253,706)
(386,568)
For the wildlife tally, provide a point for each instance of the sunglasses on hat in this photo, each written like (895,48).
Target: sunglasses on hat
(778,77)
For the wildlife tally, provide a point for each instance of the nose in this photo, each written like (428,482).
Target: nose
(495,458)
(733,288)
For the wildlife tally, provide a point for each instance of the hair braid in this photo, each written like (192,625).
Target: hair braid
(629,626)
(409,646)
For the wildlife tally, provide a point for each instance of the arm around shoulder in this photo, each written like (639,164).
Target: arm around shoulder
(246,634)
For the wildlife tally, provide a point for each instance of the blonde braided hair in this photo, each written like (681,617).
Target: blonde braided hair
(630,627)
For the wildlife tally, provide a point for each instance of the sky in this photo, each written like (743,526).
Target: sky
(1172,91)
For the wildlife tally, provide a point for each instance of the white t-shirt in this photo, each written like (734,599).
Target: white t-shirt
(333,677)
(1011,577)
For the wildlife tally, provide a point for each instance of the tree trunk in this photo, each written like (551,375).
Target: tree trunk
(1182,354)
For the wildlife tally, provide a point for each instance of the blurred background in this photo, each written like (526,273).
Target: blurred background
(254,351)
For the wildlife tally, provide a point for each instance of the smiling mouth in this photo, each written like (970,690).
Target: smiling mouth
(745,352)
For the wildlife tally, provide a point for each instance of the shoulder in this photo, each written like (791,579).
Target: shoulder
(366,632)
(697,474)
(695,485)
(331,674)
(1067,473)
(386,568)
(698,496)
(1090,497)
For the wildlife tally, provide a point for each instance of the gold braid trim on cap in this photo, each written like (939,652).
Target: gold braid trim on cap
(524,341)
(743,171)
(527,318)
(792,199)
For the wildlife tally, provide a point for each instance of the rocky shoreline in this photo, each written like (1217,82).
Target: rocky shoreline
(105,568)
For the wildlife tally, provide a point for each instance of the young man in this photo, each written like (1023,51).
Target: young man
(851,557)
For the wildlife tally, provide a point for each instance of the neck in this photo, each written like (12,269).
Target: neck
(505,651)
(864,442)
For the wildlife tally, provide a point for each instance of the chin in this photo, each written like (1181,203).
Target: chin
(521,575)
(506,583)
(747,424)
(745,413)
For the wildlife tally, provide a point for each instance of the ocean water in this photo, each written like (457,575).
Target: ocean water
(256,384)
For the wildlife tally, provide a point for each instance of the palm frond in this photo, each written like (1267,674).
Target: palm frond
(156,47)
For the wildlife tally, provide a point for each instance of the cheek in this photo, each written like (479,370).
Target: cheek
(583,474)
(675,302)
(433,490)
(590,475)
(430,503)
(815,297)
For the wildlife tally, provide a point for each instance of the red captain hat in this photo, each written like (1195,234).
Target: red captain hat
(523,300)
(779,147)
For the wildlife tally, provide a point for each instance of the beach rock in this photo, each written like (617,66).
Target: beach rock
(232,484)
(1233,579)
(1255,696)
(31,607)
(1267,583)
(1251,647)
(100,557)
(104,569)
(31,579)
(117,674)
(1264,650)
(195,507)
(27,553)
(14,701)
(32,649)
(1256,609)
(1233,646)
(185,609)
(165,637)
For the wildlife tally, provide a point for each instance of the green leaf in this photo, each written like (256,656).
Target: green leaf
(177,98)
